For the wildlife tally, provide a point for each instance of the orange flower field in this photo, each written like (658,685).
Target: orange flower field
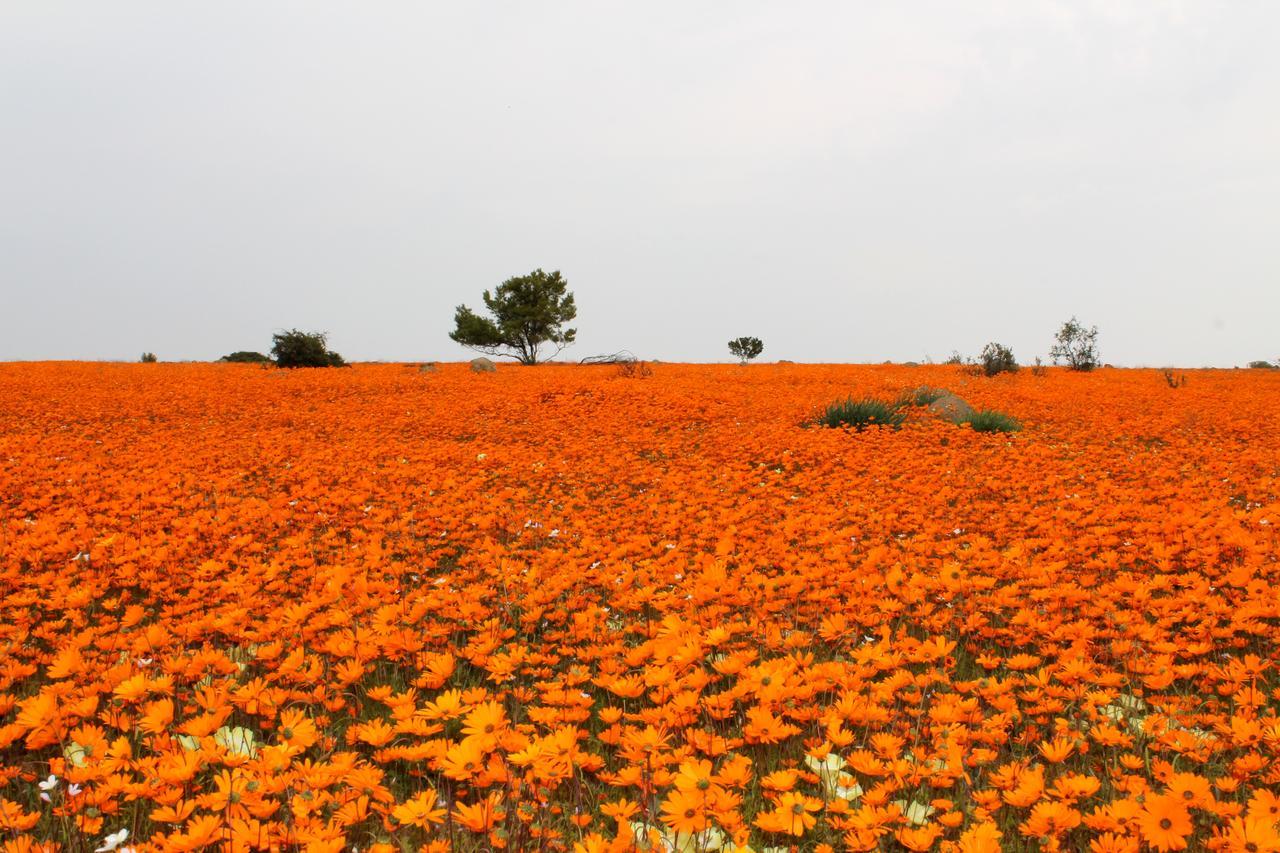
(562,608)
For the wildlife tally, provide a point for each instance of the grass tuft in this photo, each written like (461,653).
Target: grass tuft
(992,421)
(860,414)
(922,396)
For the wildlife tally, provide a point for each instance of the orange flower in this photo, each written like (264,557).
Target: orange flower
(481,816)
(464,760)
(1057,750)
(1194,791)
(792,815)
(260,605)
(685,811)
(420,811)
(1251,835)
(1165,822)
(1110,842)
(485,723)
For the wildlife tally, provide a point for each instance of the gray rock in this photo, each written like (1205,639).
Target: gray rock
(482,365)
(949,407)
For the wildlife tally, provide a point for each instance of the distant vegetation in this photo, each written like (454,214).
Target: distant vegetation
(528,312)
(1076,345)
(745,348)
(303,349)
(148,358)
(246,357)
(1265,365)
(997,358)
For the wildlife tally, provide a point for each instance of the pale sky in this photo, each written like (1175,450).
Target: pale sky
(849,181)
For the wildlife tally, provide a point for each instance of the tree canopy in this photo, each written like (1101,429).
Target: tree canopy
(303,349)
(746,348)
(528,312)
(1076,345)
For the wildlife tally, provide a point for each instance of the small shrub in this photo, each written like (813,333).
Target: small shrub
(997,358)
(246,357)
(745,348)
(922,396)
(954,358)
(1038,369)
(1174,380)
(1076,345)
(860,414)
(303,349)
(988,420)
(148,358)
(1264,365)
(634,369)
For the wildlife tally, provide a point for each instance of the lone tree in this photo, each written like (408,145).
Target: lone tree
(1076,345)
(303,349)
(528,312)
(745,348)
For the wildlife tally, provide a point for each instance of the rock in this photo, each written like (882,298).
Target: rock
(427,368)
(949,407)
(482,365)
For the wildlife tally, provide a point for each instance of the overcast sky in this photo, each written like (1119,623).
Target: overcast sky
(849,181)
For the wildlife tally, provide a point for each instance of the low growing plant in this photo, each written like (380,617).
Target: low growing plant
(860,414)
(989,420)
(922,396)
(997,358)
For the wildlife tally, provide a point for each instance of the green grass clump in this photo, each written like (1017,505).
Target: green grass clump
(992,421)
(861,414)
(922,396)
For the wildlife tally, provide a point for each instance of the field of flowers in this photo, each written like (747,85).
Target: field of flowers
(558,608)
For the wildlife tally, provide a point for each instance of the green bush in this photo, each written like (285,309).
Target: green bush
(1264,365)
(745,348)
(246,357)
(922,396)
(992,421)
(148,358)
(997,358)
(303,349)
(861,414)
(1076,345)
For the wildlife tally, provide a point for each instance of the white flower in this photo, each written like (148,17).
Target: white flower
(73,789)
(50,783)
(112,841)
